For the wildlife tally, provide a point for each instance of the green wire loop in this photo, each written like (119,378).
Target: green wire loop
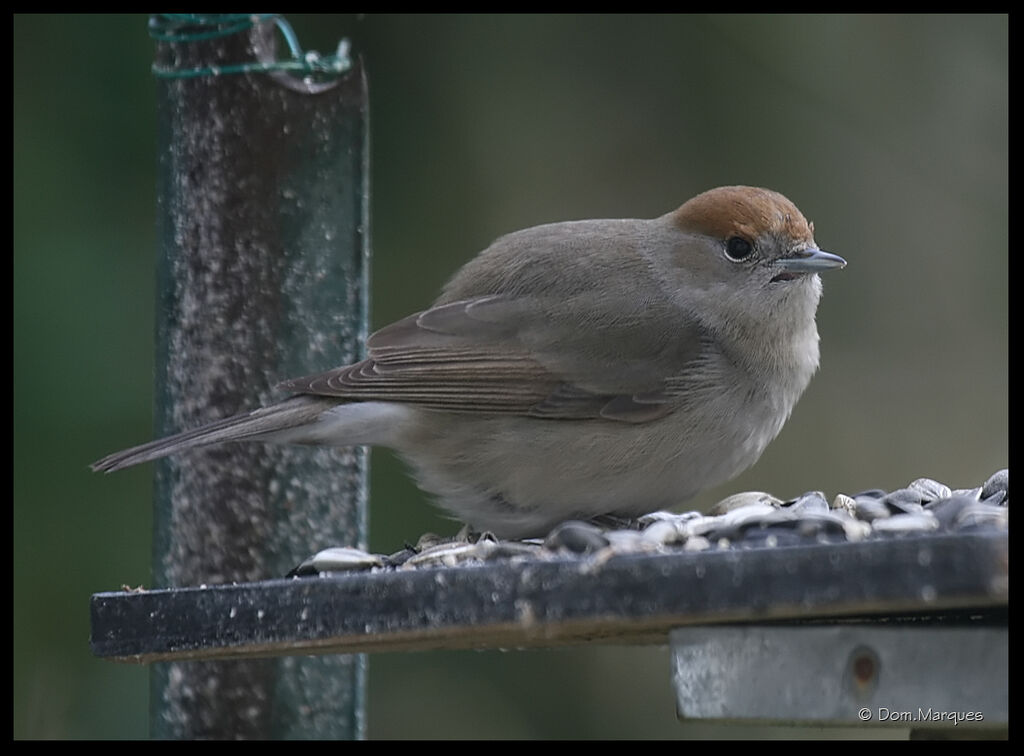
(195,27)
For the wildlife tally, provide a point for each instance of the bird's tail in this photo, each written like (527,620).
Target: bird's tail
(267,423)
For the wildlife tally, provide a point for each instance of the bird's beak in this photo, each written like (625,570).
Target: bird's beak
(810,260)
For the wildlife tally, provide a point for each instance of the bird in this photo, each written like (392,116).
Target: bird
(577,370)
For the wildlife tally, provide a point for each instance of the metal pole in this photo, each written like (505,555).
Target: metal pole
(262,275)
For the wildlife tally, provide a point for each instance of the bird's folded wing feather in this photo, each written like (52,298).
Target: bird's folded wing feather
(578,358)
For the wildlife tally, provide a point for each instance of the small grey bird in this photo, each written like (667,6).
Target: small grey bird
(579,369)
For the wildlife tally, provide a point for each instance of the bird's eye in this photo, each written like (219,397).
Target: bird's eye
(738,248)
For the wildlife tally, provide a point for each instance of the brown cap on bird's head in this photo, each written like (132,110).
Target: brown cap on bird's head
(744,211)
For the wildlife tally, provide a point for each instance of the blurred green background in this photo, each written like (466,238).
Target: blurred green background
(889,132)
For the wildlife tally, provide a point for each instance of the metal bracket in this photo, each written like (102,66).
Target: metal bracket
(909,676)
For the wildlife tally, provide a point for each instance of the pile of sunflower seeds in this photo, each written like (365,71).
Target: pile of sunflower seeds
(744,520)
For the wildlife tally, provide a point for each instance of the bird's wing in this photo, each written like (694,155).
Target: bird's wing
(581,357)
